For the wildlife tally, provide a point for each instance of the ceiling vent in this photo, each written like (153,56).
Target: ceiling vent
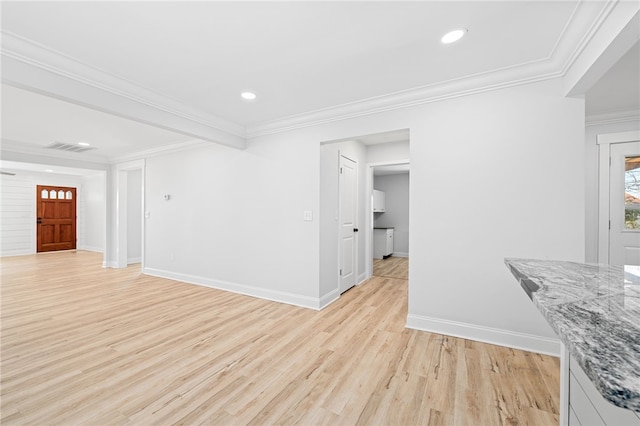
(68,147)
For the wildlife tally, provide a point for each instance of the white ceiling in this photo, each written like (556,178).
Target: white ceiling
(31,120)
(394,169)
(299,57)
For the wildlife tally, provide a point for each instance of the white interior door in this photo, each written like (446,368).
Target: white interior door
(624,204)
(348,203)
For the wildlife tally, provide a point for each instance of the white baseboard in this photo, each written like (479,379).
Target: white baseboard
(329,298)
(133,260)
(11,253)
(399,254)
(362,278)
(91,248)
(495,336)
(247,290)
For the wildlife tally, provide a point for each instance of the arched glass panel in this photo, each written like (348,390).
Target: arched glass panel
(61,195)
(44,193)
(53,194)
(68,195)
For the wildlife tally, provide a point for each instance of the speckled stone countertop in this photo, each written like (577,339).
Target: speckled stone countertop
(595,310)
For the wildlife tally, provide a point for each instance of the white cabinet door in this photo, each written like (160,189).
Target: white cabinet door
(379,243)
(378,201)
(382,243)
(389,242)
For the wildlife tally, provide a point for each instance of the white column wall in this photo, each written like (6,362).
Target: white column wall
(516,158)
(134,215)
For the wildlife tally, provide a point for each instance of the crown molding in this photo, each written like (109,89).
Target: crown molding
(436,92)
(610,36)
(161,150)
(38,68)
(36,54)
(613,117)
(584,22)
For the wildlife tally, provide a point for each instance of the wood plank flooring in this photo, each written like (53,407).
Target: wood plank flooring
(86,345)
(391,267)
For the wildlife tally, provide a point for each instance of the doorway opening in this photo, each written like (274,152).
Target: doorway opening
(619,199)
(355,247)
(130,214)
(390,219)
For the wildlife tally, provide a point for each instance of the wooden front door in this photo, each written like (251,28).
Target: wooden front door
(56,213)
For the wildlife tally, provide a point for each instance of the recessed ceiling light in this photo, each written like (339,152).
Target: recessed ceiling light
(84,143)
(48,170)
(249,96)
(454,35)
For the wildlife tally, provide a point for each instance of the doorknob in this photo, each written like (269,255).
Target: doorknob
(39,221)
(355,229)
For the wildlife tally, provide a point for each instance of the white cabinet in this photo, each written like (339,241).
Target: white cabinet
(378,201)
(382,242)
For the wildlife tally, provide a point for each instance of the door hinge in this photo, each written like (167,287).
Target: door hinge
(340,170)
(340,272)
(609,224)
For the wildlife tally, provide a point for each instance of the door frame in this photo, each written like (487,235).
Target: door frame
(122,170)
(38,233)
(604,142)
(368,260)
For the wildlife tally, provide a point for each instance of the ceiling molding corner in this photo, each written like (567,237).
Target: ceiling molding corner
(20,54)
(161,150)
(613,117)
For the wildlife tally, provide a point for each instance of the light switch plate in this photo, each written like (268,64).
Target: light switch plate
(308,215)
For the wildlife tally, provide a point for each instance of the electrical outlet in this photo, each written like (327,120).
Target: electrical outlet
(308,215)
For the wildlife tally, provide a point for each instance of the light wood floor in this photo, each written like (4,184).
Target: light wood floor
(391,267)
(86,345)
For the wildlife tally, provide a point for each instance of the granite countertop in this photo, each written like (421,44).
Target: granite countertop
(595,310)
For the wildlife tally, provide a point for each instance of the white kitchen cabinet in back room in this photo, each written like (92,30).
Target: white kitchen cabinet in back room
(378,201)
(382,242)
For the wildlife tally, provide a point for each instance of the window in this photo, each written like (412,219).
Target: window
(632,192)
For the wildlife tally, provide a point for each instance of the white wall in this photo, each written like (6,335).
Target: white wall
(591,173)
(235,217)
(18,210)
(516,157)
(134,216)
(93,191)
(396,189)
